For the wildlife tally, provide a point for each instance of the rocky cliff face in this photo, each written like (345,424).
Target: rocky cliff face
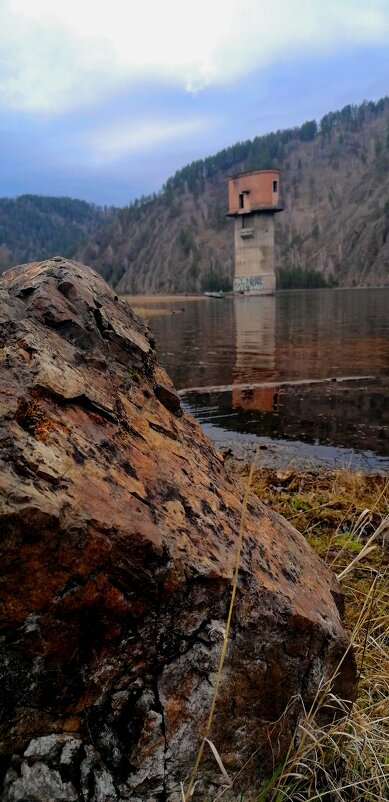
(336,217)
(118,535)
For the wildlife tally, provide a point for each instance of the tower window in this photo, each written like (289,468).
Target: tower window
(275,186)
(247,220)
(241,200)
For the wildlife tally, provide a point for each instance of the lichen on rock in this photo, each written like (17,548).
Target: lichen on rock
(118,530)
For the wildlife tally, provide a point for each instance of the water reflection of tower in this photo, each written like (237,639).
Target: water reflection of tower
(255,362)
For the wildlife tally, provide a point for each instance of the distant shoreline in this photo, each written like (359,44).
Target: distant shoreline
(138,300)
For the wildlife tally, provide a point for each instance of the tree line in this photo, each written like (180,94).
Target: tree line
(38,226)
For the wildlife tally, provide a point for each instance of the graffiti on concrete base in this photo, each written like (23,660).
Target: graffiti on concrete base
(248,284)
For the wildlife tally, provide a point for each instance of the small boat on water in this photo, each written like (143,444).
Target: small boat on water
(218,294)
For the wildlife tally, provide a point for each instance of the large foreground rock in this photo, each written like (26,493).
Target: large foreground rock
(118,532)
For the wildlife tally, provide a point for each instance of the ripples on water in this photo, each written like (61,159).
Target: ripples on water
(240,362)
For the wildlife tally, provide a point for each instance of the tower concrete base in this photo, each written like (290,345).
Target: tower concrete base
(260,284)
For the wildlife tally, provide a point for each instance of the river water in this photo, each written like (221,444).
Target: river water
(304,370)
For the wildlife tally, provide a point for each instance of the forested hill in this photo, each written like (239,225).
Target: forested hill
(335,181)
(35,227)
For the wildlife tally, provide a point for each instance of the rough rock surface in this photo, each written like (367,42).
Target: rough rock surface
(118,533)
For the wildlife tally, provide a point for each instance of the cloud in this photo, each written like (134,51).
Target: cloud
(47,67)
(60,55)
(110,143)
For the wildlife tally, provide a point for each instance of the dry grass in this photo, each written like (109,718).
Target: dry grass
(344,515)
(346,760)
(133,300)
(322,504)
(151,306)
(149,312)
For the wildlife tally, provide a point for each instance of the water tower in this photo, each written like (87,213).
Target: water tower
(253,200)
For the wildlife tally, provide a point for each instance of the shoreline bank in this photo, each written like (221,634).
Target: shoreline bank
(296,456)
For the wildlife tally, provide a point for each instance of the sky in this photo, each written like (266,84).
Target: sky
(103,100)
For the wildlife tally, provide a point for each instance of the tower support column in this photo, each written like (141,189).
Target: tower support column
(254,254)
